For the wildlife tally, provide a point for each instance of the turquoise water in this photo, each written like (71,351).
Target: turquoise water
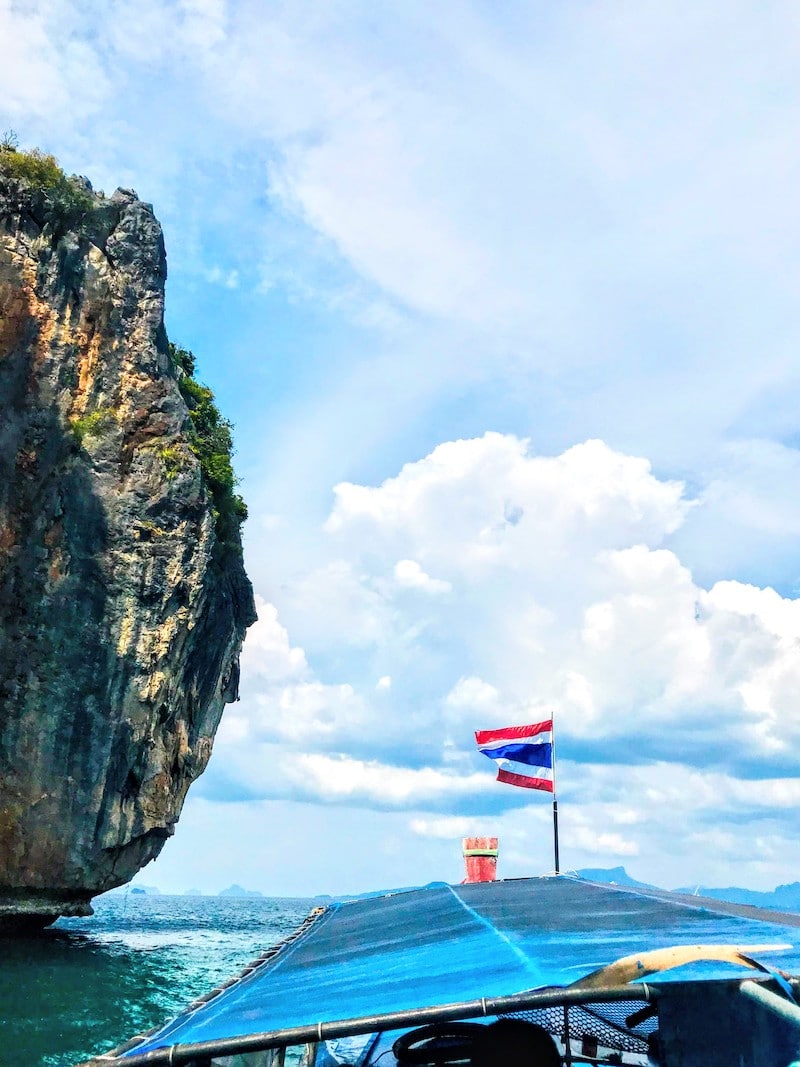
(86,985)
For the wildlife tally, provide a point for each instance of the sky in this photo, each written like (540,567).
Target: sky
(502,302)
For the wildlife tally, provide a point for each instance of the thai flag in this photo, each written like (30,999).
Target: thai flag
(524,754)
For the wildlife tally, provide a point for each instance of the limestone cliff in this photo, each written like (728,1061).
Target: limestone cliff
(122,609)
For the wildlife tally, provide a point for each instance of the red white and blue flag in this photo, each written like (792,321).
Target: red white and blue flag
(524,754)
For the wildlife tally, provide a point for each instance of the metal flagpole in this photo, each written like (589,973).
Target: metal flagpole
(567,1039)
(555,800)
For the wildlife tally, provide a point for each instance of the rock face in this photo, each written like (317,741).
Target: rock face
(121,612)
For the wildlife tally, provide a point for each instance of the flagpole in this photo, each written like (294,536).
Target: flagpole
(555,800)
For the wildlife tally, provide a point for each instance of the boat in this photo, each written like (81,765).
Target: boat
(540,971)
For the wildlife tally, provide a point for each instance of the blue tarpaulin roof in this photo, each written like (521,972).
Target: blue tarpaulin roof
(443,944)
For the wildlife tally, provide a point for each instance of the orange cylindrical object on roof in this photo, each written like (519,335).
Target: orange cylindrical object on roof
(480,857)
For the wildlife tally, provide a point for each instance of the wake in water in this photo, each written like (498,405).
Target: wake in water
(86,985)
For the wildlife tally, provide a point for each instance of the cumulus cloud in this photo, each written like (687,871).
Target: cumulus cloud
(381,785)
(267,652)
(674,703)
(497,495)
(249,768)
(301,714)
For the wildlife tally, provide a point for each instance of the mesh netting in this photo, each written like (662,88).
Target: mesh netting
(617,1025)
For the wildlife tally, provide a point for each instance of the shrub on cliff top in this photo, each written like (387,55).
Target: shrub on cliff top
(211,440)
(39,171)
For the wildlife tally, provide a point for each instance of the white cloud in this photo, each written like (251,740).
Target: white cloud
(205,22)
(281,699)
(447,827)
(300,715)
(409,575)
(473,694)
(51,73)
(217,276)
(267,652)
(675,704)
(247,766)
(312,711)
(776,614)
(608,845)
(483,497)
(338,590)
(378,784)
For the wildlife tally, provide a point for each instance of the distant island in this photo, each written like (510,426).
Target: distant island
(783,898)
(138,890)
(612,876)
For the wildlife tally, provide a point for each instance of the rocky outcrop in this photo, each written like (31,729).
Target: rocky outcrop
(122,612)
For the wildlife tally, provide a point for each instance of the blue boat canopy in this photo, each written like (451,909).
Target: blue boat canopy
(444,944)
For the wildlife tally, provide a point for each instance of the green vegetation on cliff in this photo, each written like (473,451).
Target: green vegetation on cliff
(39,173)
(33,182)
(211,441)
(93,424)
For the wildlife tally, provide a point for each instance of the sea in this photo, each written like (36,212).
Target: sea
(84,986)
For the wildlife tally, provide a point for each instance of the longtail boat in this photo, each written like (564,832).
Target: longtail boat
(535,971)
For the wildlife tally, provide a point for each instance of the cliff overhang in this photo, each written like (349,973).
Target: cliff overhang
(122,604)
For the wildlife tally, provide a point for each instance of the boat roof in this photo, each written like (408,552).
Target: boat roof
(442,944)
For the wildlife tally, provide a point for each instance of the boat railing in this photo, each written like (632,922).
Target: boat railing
(756,989)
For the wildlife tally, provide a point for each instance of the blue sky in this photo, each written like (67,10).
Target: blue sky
(502,302)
